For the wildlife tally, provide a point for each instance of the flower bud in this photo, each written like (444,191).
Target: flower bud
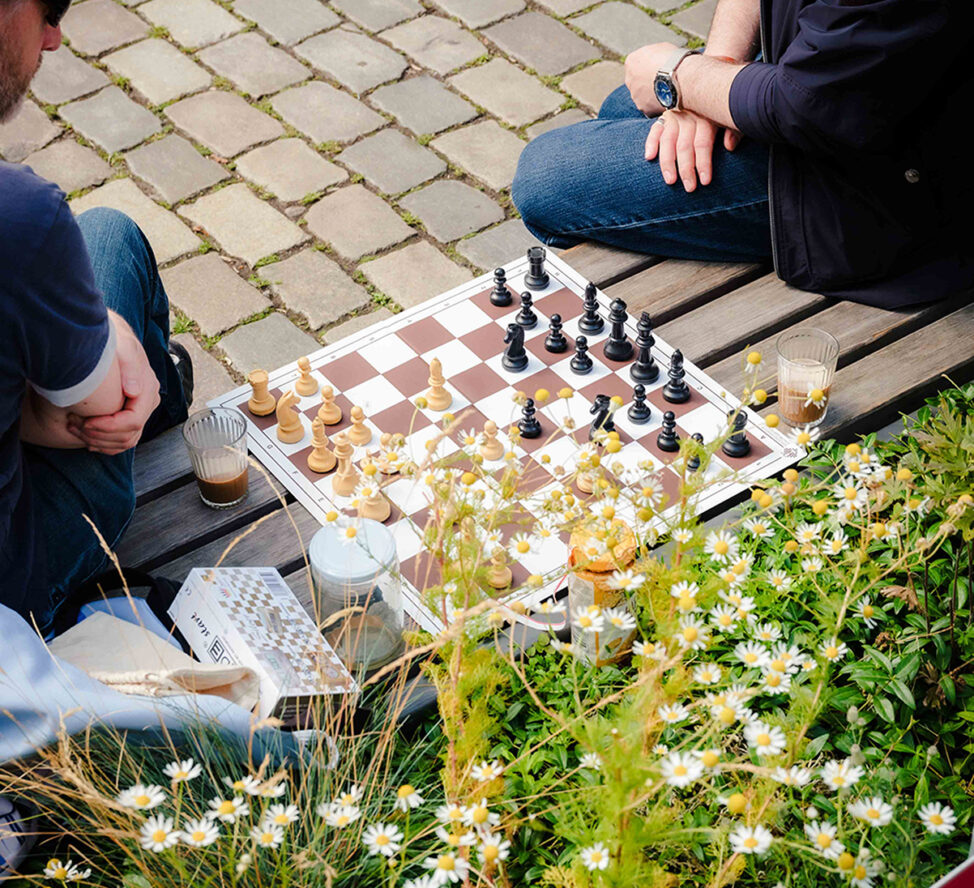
(856,756)
(852,714)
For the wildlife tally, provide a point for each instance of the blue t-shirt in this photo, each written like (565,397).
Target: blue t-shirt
(54,336)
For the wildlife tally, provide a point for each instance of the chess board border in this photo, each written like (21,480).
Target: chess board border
(783,452)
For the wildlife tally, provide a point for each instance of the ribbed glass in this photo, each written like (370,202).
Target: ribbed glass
(217,442)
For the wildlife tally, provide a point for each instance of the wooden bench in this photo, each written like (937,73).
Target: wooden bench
(888,362)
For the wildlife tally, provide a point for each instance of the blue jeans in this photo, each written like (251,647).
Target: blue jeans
(591,181)
(66,484)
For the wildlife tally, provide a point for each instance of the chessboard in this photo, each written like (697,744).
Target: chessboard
(386,368)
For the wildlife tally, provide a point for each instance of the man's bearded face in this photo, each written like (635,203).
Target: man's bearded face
(18,65)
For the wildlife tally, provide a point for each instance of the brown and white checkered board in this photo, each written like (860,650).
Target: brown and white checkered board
(386,367)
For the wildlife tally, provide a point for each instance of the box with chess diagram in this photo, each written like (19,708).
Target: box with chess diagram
(248,616)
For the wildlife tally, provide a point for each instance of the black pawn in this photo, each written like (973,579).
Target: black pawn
(667,440)
(500,295)
(645,369)
(617,346)
(528,425)
(676,390)
(526,316)
(639,412)
(591,322)
(555,341)
(581,363)
(537,277)
(737,445)
(693,463)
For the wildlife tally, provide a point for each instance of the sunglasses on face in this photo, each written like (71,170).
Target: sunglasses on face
(55,11)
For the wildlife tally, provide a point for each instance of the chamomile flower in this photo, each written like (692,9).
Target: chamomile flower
(709,758)
(246,784)
(786,658)
(157,834)
(807,532)
(479,815)
(841,775)
(779,580)
(812,565)
(723,617)
(775,682)
(764,739)
(937,818)
(493,848)
(267,835)
(65,872)
(563,647)
(873,811)
(684,589)
(863,870)
(425,881)
(228,810)
(351,796)
(588,619)
(522,544)
(625,579)
(200,833)
(837,543)
(339,816)
(869,612)
(661,749)
(591,761)
(461,838)
(822,836)
(382,839)
(721,545)
(486,771)
(595,857)
(450,814)
(758,528)
(550,607)
(142,798)
(468,440)
(793,776)
(816,397)
(693,634)
(849,494)
(407,798)
(643,648)
(181,771)
(751,655)
(673,713)
(681,768)
(281,815)
(834,650)
(767,632)
(619,618)
(707,674)
(804,435)
(750,840)
(682,535)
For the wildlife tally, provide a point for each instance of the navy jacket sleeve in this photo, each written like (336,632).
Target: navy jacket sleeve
(855,71)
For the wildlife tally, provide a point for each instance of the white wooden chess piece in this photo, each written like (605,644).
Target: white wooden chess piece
(289,427)
(438,398)
(306,384)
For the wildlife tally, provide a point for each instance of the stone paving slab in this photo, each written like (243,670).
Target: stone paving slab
(192,22)
(507,91)
(253,65)
(356,325)
(289,169)
(326,114)
(158,70)
(392,161)
(449,209)
(436,43)
(352,58)
(564,7)
(192,283)
(69,165)
(378,14)
(288,22)
(210,377)
(243,224)
(414,274)
(497,245)
(223,122)
(696,19)
(168,236)
(485,150)
(111,119)
(541,43)
(564,118)
(27,131)
(174,168)
(623,27)
(97,26)
(313,285)
(268,343)
(423,105)
(355,222)
(479,13)
(63,77)
(591,85)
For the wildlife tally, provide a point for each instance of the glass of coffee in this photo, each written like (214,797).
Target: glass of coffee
(217,443)
(806,365)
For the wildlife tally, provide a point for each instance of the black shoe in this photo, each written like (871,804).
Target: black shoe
(184,369)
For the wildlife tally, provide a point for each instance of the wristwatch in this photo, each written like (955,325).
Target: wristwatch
(664,84)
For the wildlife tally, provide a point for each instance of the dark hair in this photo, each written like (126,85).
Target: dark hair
(55,11)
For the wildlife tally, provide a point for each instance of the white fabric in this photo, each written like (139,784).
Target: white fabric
(89,385)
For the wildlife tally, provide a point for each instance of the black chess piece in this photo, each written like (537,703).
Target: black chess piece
(501,295)
(602,411)
(617,346)
(639,411)
(581,363)
(676,390)
(515,358)
(591,322)
(667,440)
(528,424)
(737,444)
(693,463)
(526,316)
(555,341)
(645,368)
(537,277)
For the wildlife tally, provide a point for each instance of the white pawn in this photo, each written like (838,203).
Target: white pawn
(321,459)
(306,385)
(329,412)
(359,434)
(438,398)
(491,447)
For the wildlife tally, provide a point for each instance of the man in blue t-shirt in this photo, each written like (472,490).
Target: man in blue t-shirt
(85,364)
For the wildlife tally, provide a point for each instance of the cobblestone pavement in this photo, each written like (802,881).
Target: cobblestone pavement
(304,168)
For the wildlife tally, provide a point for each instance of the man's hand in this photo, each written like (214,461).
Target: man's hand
(684,142)
(118,432)
(641,69)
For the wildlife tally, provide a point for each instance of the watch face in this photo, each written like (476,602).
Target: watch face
(664,92)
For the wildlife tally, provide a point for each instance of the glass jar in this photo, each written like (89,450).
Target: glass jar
(358,592)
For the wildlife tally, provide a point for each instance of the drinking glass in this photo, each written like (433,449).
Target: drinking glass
(806,365)
(217,442)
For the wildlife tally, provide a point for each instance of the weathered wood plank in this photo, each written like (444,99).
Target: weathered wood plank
(752,312)
(161,465)
(675,286)
(604,265)
(299,582)
(168,526)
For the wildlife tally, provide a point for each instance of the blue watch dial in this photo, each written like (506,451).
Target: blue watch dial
(665,94)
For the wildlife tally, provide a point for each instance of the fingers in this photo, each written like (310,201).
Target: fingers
(667,152)
(732,138)
(652,141)
(685,155)
(703,150)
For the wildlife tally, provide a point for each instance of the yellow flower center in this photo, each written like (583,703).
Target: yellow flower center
(736,803)
(851,493)
(860,872)
(680,771)
(267,838)
(872,814)
(709,759)
(764,739)
(750,842)
(778,665)
(750,657)
(816,394)
(226,807)
(596,857)
(804,438)
(868,610)
(142,800)
(479,815)
(405,790)
(342,820)
(831,652)
(281,819)
(159,836)
(854,466)
(773,680)
(721,547)
(758,529)
(686,602)
(725,620)
(198,835)
(727,715)
(690,633)
(446,862)
(936,819)
(838,780)
(846,861)
(523,546)
(824,841)
(490,853)
(60,873)
(382,840)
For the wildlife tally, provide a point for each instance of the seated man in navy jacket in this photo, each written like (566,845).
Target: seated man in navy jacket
(839,159)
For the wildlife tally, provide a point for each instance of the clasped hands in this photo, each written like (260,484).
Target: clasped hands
(682,140)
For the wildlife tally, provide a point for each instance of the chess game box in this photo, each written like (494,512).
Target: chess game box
(248,616)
